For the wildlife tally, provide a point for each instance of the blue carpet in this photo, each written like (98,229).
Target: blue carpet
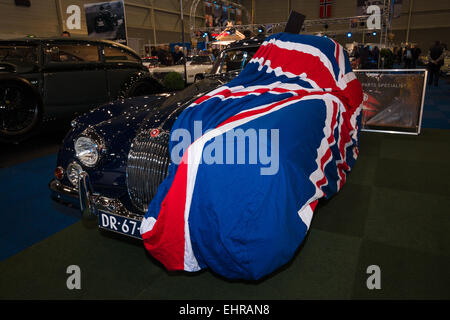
(436,110)
(26,211)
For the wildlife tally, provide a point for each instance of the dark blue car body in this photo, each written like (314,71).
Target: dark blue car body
(118,124)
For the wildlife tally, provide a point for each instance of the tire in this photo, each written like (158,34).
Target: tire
(20,111)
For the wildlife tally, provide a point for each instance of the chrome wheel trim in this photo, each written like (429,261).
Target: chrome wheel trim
(18,113)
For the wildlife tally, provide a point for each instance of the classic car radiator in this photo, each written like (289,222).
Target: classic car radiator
(147,166)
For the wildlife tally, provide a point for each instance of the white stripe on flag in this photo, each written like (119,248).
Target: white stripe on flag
(306,215)
(278,71)
(147,225)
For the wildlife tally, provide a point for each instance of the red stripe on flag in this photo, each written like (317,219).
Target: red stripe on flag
(297,63)
(344,138)
(337,53)
(313,205)
(250,113)
(165,241)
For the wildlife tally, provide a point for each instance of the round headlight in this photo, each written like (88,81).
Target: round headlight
(73,172)
(86,150)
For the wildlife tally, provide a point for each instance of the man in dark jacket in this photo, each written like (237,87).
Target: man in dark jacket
(161,54)
(364,57)
(177,54)
(407,57)
(436,61)
(415,56)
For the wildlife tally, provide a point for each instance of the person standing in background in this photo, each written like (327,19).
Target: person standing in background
(168,55)
(407,57)
(436,61)
(400,55)
(211,53)
(177,54)
(415,56)
(364,57)
(154,51)
(376,54)
(161,55)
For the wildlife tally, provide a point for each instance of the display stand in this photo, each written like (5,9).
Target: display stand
(393,100)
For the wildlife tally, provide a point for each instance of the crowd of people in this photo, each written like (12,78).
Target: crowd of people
(166,57)
(407,57)
(362,57)
(365,56)
(368,57)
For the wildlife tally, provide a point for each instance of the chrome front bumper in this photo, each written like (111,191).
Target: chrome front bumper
(89,202)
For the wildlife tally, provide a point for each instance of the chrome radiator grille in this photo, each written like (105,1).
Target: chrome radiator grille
(147,166)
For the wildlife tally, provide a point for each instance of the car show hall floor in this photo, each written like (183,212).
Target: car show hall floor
(393,212)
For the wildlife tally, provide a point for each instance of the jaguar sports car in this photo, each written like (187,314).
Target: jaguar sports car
(295,96)
(120,151)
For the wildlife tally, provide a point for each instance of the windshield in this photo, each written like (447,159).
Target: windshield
(233,60)
(201,60)
(19,55)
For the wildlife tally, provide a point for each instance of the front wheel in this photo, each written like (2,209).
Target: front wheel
(19,111)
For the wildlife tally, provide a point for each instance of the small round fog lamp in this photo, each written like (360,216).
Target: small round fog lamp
(73,173)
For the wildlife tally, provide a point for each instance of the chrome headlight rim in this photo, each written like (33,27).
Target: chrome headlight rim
(99,143)
(86,151)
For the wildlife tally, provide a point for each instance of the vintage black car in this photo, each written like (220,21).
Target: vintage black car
(114,157)
(45,79)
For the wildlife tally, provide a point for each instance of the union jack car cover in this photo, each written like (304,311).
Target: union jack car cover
(242,219)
